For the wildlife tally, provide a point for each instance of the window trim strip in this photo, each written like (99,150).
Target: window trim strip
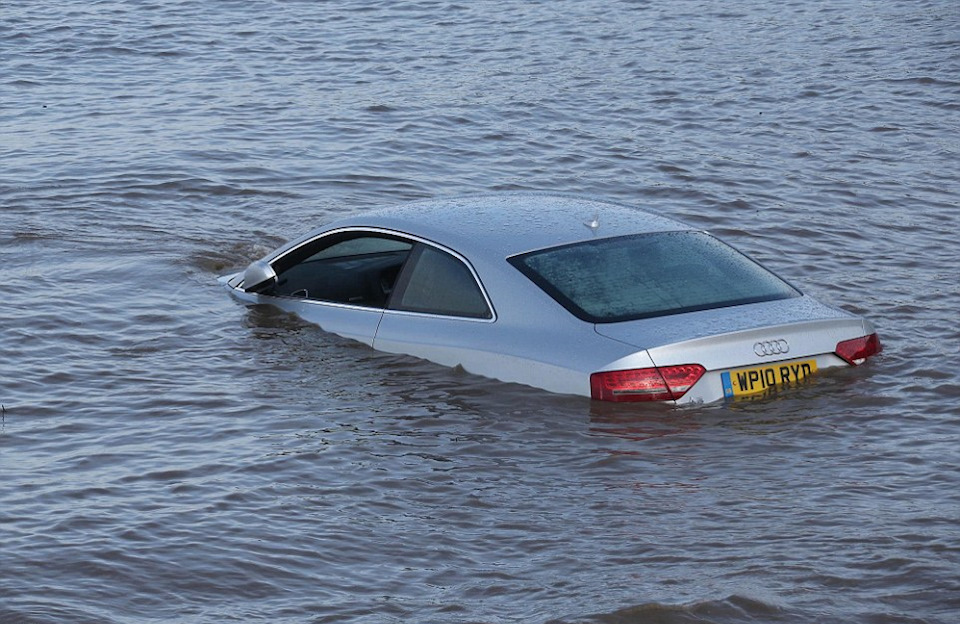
(401,235)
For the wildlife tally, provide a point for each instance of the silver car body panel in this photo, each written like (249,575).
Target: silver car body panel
(664,330)
(355,322)
(545,351)
(532,339)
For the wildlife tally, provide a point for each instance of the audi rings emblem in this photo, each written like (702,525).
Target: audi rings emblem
(771,347)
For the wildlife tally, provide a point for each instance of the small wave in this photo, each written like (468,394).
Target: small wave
(923,80)
(734,608)
(232,257)
(193,186)
(50,613)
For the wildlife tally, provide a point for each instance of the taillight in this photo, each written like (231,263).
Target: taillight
(645,384)
(857,350)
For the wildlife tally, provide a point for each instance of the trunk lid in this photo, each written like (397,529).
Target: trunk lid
(741,335)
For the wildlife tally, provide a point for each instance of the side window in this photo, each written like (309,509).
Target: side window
(360,246)
(357,268)
(439,283)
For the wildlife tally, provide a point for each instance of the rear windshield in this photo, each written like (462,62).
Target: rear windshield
(647,275)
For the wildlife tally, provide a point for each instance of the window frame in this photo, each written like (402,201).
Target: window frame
(299,253)
(305,250)
(406,273)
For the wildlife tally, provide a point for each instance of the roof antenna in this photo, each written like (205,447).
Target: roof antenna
(594,224)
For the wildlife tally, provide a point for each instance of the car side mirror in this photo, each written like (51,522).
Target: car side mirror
(258,277)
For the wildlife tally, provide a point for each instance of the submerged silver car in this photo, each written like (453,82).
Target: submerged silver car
(566,294)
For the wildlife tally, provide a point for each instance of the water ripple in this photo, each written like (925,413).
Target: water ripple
(169,455)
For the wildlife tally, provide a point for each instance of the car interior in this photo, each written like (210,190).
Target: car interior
(356,270)
(364,270)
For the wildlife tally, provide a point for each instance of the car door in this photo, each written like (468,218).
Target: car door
(438,312)
(341,280)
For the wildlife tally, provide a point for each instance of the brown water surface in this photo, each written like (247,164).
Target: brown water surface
(167,455)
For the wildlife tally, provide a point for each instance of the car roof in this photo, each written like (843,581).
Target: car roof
(505,224)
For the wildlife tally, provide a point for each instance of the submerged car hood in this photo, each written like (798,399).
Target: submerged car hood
(663,330)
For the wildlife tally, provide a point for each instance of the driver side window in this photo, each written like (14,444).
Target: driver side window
(356,268)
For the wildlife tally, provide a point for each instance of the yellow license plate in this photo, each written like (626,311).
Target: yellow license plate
(745,381)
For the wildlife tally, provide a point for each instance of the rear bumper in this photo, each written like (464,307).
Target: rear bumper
(711,386)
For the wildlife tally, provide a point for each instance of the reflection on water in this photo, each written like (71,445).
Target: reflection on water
(640,424)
